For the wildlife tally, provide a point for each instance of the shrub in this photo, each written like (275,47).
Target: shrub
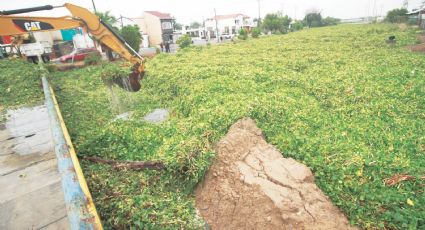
(92,59)
(329,21)
(298,25)
(256,32)
(110,73)
(243,35)
(184,41)
(51,67)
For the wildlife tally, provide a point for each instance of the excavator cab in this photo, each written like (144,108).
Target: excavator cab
(81,17)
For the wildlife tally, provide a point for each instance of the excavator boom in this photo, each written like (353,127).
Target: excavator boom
(81,17)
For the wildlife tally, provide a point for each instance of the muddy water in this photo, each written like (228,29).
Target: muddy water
(31,194)
(114,101)
(122,102)
(26,131)
(25,138)
(157,116)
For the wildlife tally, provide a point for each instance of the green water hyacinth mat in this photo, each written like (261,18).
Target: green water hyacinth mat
(338,99)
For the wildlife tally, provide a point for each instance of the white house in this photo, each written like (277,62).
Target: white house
(194,33)
(227,24)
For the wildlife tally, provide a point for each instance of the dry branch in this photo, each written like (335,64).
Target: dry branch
(135,165)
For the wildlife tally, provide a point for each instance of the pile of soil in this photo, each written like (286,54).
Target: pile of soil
(251,186)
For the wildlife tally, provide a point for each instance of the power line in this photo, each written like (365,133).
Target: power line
(94,6)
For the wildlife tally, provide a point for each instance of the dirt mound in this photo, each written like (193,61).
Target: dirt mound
(251,186)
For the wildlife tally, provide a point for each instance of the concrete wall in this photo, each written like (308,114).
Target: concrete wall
(49,36)
(151,26)
(44,37)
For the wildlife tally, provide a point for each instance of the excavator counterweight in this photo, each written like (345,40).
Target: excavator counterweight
(81,17)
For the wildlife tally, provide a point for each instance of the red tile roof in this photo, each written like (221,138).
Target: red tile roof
(228,16)
(160,15)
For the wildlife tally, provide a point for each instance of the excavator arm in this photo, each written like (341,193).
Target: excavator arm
(11,24)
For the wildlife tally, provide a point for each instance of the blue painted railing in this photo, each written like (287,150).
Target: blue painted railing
(80,215)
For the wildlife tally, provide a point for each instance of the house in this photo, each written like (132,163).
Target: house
(418,17)
(227,24)
(199,33)
(158,26)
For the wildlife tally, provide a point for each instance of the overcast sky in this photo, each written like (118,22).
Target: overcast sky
(186,11)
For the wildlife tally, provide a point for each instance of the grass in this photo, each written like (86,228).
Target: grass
(338,99)
(20,84)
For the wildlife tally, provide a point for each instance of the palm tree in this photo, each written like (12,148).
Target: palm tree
(107,17)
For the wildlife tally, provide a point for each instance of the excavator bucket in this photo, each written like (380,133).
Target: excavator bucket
(130,83)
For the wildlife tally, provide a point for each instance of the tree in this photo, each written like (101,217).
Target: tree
(313,19)
(132,36)
(176,25)
(405,4)
(107,17)
(110,20)
(184,41)
(396,15)
(275,22)
(286,20)
(195,25)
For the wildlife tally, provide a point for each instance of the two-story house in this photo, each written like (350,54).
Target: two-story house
(227,24)
(158,26)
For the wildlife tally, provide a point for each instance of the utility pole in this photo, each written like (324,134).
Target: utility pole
(216,26)
(259,14)
(121,20)
(94,6)
(203,27)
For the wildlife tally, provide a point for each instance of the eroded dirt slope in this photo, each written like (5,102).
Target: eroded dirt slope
(251,186)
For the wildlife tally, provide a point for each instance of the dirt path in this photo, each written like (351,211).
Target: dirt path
(251,186)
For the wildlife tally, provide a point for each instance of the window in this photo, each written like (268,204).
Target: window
(226,30)
(166,25)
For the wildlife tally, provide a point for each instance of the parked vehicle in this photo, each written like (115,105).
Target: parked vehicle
(33,50)
(228,36)
(3,53)
(79,55)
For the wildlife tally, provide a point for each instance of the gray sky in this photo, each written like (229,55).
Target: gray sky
(186,11)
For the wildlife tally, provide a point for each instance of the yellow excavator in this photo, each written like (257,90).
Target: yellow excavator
(11,24)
